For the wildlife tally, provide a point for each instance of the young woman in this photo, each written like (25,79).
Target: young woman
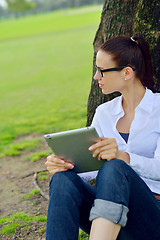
(125,204)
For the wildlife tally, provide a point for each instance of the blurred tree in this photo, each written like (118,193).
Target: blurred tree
(50,4)
(20,5)
(39,4)
(70,3)
(1,10)
(121,17)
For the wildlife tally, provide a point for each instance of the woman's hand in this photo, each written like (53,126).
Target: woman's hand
(107,148)
(55,164)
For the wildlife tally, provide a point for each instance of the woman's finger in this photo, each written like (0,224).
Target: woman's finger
(53,158)
(57,165)
(109,154)
(53,161)
(102,143)
(108,147)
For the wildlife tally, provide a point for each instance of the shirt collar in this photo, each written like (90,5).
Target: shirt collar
(146,103)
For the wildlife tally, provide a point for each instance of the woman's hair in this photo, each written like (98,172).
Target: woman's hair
(133,52)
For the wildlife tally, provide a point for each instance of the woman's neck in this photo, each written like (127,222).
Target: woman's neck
(132,96)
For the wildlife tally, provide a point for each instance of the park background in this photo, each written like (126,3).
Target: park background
(46,69)
(47,59)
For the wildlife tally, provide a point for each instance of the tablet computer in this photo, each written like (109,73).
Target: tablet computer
(73,146)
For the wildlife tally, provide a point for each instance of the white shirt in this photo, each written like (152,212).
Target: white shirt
(143,144)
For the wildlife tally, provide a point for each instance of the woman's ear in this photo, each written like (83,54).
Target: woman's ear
(128,73)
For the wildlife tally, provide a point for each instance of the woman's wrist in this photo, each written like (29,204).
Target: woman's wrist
(124,156)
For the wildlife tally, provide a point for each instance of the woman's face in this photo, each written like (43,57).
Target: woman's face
(111,81)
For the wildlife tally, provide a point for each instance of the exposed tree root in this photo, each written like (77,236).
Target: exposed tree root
(38,187)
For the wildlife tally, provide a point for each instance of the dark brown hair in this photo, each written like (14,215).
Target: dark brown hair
(132,52)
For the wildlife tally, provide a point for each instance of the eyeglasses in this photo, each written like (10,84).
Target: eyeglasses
(111,69)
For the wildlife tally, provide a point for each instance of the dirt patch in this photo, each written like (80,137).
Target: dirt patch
(15,186)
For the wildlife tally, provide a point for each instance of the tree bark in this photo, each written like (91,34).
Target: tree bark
(147,22)
(121,17)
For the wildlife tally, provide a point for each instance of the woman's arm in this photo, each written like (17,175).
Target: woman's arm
(146,167)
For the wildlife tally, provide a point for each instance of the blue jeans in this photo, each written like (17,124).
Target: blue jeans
(120,196)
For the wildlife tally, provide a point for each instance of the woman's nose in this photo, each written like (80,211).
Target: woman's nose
(97,76)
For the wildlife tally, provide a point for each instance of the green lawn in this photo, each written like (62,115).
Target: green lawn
(46,69)
(45,77)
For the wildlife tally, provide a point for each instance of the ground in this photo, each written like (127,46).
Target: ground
(15,185)
(18,195)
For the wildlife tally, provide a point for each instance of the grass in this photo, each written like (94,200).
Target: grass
(42,230)
(56,21)
(33,157)
(32,194)
(12,222)
(21,216)
(16,148)
(46,68)
(10,228)
(83,235)
(43,176)
(23,220)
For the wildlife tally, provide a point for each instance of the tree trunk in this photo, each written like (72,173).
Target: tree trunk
(121,17)
(147,22)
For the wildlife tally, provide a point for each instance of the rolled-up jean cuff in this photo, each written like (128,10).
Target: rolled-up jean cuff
(112,211)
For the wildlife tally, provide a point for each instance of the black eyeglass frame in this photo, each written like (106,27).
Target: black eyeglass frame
(111,69)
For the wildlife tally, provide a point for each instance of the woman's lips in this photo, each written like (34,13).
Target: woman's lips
(101,85)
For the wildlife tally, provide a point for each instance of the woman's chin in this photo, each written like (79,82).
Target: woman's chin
(106,91)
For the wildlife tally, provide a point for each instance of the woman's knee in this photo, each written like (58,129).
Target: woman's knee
(113,172)
(63,183)
(114,166)
(61,178)
(112,182)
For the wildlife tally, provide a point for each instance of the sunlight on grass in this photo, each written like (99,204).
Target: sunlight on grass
(46,72)
(46,76)
(55,21)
